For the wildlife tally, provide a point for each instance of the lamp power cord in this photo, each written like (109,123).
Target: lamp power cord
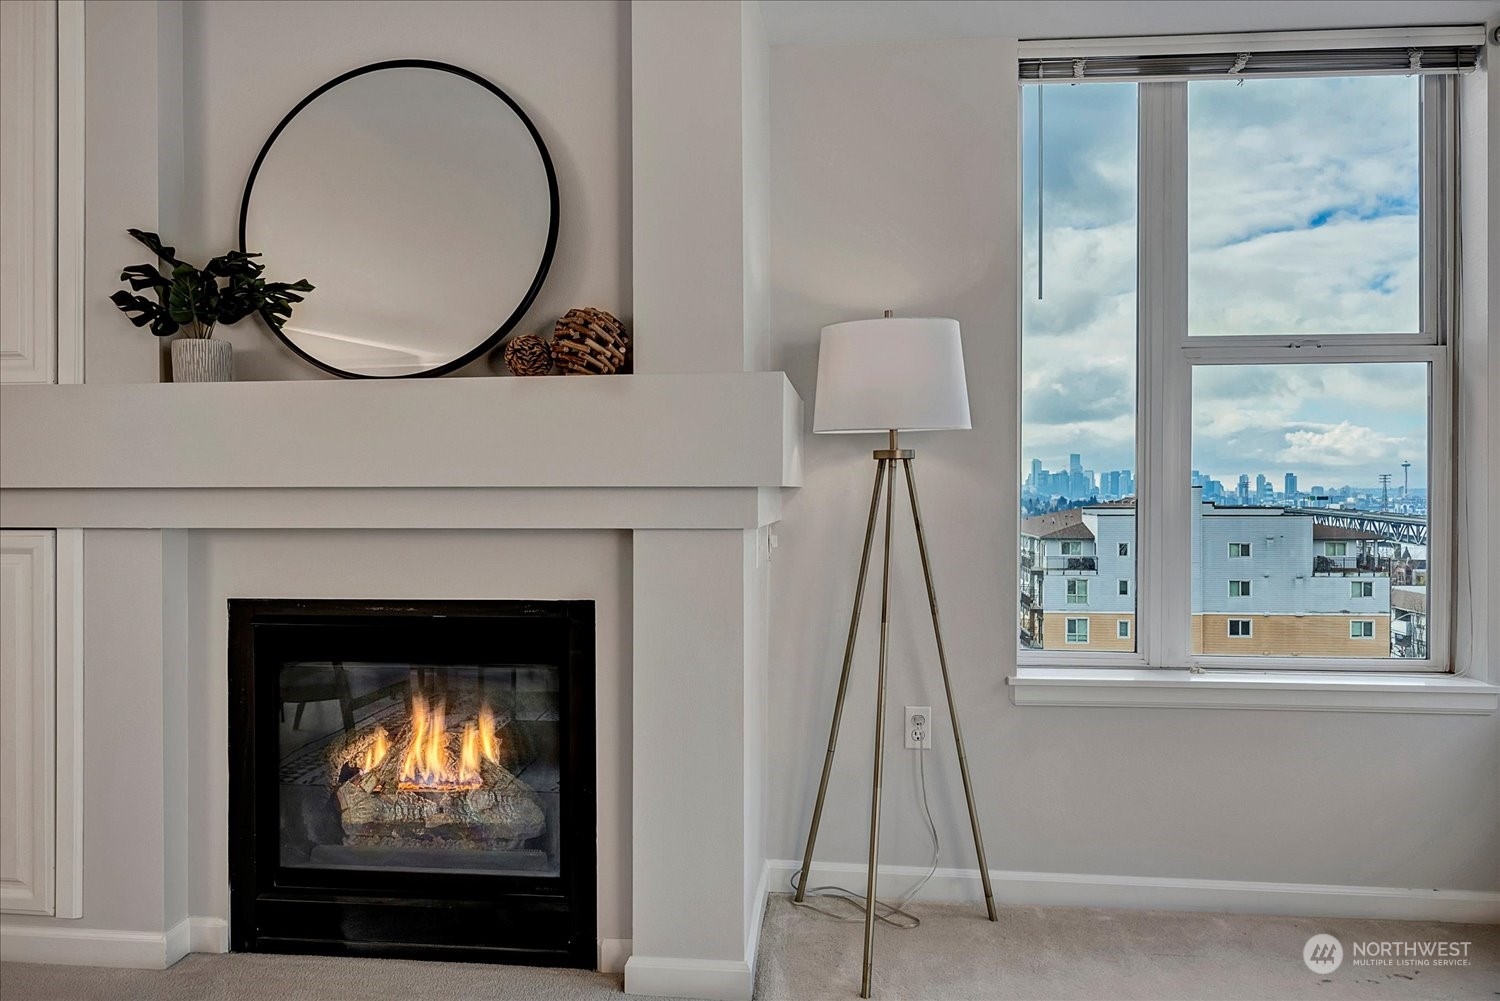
(896,915)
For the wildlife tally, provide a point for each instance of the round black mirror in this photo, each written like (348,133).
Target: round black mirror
(422,203)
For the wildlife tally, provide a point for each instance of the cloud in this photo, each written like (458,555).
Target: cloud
(1303,220)
(1085,393)
(1344,445)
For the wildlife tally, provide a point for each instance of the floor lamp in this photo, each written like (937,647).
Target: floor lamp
(886,376)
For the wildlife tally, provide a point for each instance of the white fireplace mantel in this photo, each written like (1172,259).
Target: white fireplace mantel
(638,451)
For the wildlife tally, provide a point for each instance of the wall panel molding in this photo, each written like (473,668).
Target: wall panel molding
(28,191)
(28,735)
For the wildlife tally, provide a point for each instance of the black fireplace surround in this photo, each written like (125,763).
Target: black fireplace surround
(413,779)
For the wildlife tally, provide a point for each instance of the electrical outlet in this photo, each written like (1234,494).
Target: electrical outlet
(919,728)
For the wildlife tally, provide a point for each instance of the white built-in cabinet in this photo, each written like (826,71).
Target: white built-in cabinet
(41,191)
(41,732)
(41,569)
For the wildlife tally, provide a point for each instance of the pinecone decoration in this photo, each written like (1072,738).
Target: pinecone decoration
(589,341)
(528,355)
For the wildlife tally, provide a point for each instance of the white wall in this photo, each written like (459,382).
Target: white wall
(243,65)
(894,180)
(404,565)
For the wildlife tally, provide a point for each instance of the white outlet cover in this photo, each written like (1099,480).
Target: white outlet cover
(918,717)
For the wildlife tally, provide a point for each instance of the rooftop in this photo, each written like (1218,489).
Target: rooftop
(1057,525)
(1409,599)
(1322,532)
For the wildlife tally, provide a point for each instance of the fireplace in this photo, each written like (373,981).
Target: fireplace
(413,779)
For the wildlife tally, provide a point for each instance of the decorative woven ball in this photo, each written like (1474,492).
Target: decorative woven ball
(528,355)
(589,341)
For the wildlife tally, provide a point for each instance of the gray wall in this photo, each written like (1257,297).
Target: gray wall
(241,66)
(894,179)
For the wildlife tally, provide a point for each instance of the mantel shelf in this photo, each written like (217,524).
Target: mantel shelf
(735,430)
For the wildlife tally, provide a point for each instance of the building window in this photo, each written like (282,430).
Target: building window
(1124,549)
(1078,631)
(1124,587)
(1361,629)
(1291,260)
(1122,629)
(1078,592)
(1362,589)
(1072,549)
(1239,628)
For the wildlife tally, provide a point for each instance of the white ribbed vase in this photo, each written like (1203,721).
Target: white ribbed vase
(202,359)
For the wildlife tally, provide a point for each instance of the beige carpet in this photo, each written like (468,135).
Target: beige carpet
(1033,952)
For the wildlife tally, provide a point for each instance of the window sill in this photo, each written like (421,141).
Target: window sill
(1161,689)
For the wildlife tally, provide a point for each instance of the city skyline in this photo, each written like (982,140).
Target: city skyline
(1301,484)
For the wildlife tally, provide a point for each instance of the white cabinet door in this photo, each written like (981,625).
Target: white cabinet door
(41,191)
(28,714)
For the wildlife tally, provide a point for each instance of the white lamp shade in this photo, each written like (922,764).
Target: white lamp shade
(894,373)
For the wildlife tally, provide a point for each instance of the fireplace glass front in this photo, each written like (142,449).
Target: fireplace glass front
(420,767)
(413,779)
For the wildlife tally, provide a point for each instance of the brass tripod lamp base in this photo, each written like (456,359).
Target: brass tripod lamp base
(885,474)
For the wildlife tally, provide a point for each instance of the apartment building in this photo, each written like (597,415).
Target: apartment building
(1078,579)
(1266,582)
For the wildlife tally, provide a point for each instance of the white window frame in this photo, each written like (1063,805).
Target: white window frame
(1244,590)
(1363,624)
(1167,355)
(1124,549)
(1069,632)
(1343,549)
(1072,547)
(1361,589)
(1123,587)
(1122,629)
(1244,550)
(1249,629)
(1073,595)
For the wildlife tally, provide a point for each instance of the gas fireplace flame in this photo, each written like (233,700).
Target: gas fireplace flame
(426,762)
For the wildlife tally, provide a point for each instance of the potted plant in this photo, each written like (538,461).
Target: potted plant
(195,300)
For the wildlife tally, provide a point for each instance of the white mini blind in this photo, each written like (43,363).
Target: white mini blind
(1387,51)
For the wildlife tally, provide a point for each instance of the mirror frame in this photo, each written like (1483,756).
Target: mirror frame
(546,263)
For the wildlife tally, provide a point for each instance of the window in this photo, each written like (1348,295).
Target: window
(1223,266)
(1078,631)
(1361,629)
(1122,629)
(1239,628)
(1078,592)
(1124,587)
(1072,549)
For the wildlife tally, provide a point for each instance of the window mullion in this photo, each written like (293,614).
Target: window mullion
(1164,598)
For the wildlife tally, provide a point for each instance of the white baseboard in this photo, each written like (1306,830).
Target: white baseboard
(715,979)
(93,946)
(613,952)
(668,976)
(1064,889)
(209,934)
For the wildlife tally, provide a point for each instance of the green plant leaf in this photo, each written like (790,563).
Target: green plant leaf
(144,276)
(146,311)
(234,264)
(151,240)
(193,297)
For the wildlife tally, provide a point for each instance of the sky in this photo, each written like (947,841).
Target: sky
(1302,219)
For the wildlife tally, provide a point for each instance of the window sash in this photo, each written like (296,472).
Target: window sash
(1167,355)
